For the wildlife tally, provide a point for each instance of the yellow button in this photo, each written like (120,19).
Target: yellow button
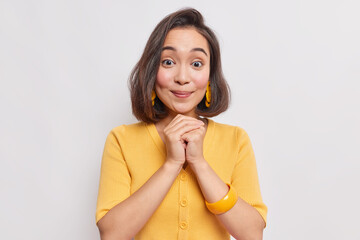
(183,176)
(183,202)
(183,225)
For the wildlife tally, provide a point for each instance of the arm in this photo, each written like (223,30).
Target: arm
(242,221)
(127,218)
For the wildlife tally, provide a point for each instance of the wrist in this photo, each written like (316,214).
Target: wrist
(172,166)
(199,165)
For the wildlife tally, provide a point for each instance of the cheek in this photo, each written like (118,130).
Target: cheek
(201,79)
(163,78)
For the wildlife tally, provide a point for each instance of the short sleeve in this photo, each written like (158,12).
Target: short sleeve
(114,185)
(245,176)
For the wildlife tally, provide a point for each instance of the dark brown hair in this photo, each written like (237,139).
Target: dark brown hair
(143,76)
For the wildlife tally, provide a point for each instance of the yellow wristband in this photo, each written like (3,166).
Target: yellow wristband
(224,204)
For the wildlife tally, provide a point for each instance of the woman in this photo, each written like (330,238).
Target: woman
(175,174)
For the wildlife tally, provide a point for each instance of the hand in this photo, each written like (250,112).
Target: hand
(174,140)
(194,144)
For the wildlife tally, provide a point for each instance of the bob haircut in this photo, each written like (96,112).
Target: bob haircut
(143,77)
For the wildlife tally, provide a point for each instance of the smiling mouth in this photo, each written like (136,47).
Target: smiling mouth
(181,94)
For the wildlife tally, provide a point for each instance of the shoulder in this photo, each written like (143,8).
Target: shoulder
(128,130)
(229,134)
(129,127)
(229,130)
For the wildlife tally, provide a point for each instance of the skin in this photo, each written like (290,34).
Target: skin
(181,84)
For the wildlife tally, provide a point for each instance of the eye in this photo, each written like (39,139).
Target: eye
(167,62)
(197,64)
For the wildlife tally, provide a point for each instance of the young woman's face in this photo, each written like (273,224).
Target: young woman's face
(184,71)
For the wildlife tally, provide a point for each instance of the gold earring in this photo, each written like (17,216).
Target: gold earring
(208,95)
(153,96)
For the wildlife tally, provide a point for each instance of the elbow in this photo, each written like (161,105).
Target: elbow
(257,236)
(109,232)
(257,231)
(254,234)
(112,235)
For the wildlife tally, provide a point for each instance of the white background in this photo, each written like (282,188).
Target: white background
(293,68)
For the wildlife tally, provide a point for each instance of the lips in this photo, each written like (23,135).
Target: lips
(181,94)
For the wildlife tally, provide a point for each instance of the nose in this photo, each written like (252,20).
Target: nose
(182,76)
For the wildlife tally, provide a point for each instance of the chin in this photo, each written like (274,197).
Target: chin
(183,110)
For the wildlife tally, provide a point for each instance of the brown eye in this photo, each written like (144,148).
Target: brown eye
(197,64)
(167,62)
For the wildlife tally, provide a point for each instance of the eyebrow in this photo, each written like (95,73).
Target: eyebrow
(192,50)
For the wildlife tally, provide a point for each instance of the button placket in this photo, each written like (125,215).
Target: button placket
(183,176)
(183,205)
(183,202)
(183,225)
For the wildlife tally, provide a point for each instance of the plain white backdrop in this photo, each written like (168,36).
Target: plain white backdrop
(293,68)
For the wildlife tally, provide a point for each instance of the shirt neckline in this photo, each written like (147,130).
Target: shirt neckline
(161,145)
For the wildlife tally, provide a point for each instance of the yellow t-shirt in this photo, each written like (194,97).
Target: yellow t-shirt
(133,153)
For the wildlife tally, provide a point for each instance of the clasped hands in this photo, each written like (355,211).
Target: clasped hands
(184,137)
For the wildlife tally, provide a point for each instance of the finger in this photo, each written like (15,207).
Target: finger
(183,143)
(183,126)
(194,134)
(179,121)
(189,136)
(175,120)
(180,118)
(181,131)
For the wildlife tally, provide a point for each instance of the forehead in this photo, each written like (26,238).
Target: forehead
(186,38)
